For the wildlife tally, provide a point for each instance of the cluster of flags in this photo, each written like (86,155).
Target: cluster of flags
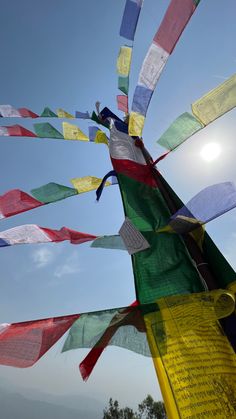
(127,30)
(46,130)
(205,110)
(16,201)
(8,111)
(184,314)
(162,46)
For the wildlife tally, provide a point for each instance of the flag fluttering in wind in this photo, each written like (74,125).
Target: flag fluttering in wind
(184,316)
(205,110)
(16,201)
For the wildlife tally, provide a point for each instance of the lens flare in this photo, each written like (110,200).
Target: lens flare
(210,152)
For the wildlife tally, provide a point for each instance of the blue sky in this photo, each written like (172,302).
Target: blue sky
(63,54)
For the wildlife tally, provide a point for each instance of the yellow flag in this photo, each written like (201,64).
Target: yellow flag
(72,132)
(63,114)
(101,138)
(87,183)
(136,123)
(217,102)
(124,61)
(195,363)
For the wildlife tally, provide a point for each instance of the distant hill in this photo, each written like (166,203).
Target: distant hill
(16,406)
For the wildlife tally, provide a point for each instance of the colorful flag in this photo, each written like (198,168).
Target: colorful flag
(82,115)
(123,147)
(206,109)
(207,205)
(134,240)
(174,22)
(15,202)
(123,84)
(156,275)
(27,113)
(23,344)
(136,124)
(47,113)
(217,102)
(87,183)
(8,111)
(46,130)
(122,103)
(63,114)
(179,131)
(194,359)
(31,233)
(16,131)
(109,242)
(124,61)
(92,133)
(169,319)
(72,132)
(101,138)
(172,268)
(52,192)
(130,18)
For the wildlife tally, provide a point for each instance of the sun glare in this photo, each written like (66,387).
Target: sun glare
(210,151)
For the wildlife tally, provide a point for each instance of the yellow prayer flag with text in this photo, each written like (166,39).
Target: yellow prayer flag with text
(87,183)
(72,132)
(101,138)
(194,361)
(136,124)
(217,102)
(124,61)
(63,114)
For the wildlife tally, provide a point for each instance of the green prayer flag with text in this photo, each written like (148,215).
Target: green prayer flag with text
(47,113)
(52,192)
(46,130)
(123,84)
(179,131)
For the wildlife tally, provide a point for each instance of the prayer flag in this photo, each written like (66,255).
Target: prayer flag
(175,20)
(87,183)
(101,138)
(26,113)
(217,102)
(47,113)
(207,205)
(92,133)
(170,30)
(63,114)
(8,111)
(124,61)
(15,202)
(46,130)
(122,102)
(72,132)
(123,84)
(82,115)
(179,131)
(52,192)
(31,233)
(23,344)
(109,242)
(16,131)
(136,124)
(130,18)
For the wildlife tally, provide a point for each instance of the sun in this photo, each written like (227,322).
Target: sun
(210,151)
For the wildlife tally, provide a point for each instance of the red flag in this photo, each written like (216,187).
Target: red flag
(23,344)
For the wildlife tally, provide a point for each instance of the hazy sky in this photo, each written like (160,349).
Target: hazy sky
(61,53)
